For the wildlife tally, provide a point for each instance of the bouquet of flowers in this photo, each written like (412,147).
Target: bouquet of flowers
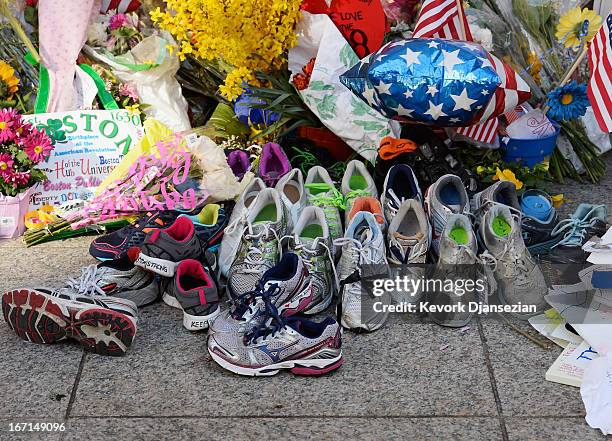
(118,33)
(22,148)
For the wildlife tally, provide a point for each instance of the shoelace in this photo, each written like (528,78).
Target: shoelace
(310,255)
(358,254)
(86,285)
(270,326)
(416,250)
(254,256)
(323,198)
(575,229)
(247,301)
(517,264)
(353,194)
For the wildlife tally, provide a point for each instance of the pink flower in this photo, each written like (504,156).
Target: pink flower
(117,21)
(18,178)
(6,165)
(38,146)
(128,89)
(6,125)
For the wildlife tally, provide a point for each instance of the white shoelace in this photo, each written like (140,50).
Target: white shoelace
(86,285)
(310,253)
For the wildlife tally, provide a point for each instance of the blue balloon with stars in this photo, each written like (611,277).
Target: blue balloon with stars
(426,80)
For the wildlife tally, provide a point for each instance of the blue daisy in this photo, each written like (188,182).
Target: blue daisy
(567,102)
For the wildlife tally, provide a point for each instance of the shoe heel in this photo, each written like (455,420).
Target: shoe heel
(34,317)
(162,267)
(199,322)
(315,370)
(298,303)
(103,331)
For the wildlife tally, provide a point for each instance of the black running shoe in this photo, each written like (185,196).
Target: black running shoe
(113,245)
(587,221)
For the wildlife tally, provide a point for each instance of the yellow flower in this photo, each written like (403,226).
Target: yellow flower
(480,169)
(9,83)
(569,29)
(557,200)
(507,175)
(134,109)
(248,36)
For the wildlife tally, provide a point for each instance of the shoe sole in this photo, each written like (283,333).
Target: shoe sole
(162,267)
(309,367)
(39,318)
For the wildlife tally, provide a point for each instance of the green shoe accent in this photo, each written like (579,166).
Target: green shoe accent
(316,188)
(358,182)
(267,214)
(501,227)
(312,231)
(209,214)
(459,235)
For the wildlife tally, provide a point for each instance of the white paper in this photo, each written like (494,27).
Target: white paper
(546,326)
(596,392)
(532,125)
(562,333)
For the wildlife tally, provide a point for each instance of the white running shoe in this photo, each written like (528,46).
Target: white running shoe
(291,189)
(356,182)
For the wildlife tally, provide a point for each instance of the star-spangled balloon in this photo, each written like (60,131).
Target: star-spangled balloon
(430,81)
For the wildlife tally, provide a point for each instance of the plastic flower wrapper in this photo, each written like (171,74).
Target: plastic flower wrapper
(568,102)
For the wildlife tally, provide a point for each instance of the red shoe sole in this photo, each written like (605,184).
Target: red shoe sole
(39,318)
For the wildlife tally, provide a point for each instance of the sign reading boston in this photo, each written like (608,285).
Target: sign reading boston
(88,145)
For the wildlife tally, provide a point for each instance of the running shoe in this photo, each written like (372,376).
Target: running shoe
(400,185)
(457,261)
(273,164)
(519,279)
(291,189)
(303,346)
(587,221)
(239,162)
(369,204)
(101,324)
(356,182)
(501,192)
(539,221)
(311,241)
(236,224)
(209,225)
(444,197)
(288,285)
(363,253)
(321,192)
(408,234)
(259,248)
(193,291)
(113,245)
(164,249)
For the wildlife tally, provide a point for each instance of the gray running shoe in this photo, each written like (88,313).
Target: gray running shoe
(457,261)
(408,239)
(163,249)
(117,278)
(288,286)
(321,192)
(363,250)
(311,241)
(444,197)
(236,224)
(356,182)
(196,294)
(519,279)
(502,192)
(304,347)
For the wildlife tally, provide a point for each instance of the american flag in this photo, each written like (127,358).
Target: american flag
(121,6)
(600,63)
(442,19)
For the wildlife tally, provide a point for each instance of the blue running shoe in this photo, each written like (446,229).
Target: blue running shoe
(209,225)
(538,222)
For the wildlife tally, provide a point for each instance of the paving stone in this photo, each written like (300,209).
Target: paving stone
(520,367)
(402,369)
(551,429)
(363,429)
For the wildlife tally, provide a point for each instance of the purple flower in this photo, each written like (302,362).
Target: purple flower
(117,21)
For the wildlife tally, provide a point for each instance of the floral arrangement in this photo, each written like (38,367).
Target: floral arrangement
(248,36)
(9,84)
(118,33)
(568,102)
(125,94)
(571,30)
(22,147)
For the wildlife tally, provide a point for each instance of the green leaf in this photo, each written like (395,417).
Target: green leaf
(224,121)
(369,125)
(359,107)
(348,56)
(319,85)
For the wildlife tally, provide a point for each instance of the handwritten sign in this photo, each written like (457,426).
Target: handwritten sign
(362,22)
(88,145)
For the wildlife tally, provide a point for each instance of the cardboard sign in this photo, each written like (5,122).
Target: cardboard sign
(88,145)
(362,22)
